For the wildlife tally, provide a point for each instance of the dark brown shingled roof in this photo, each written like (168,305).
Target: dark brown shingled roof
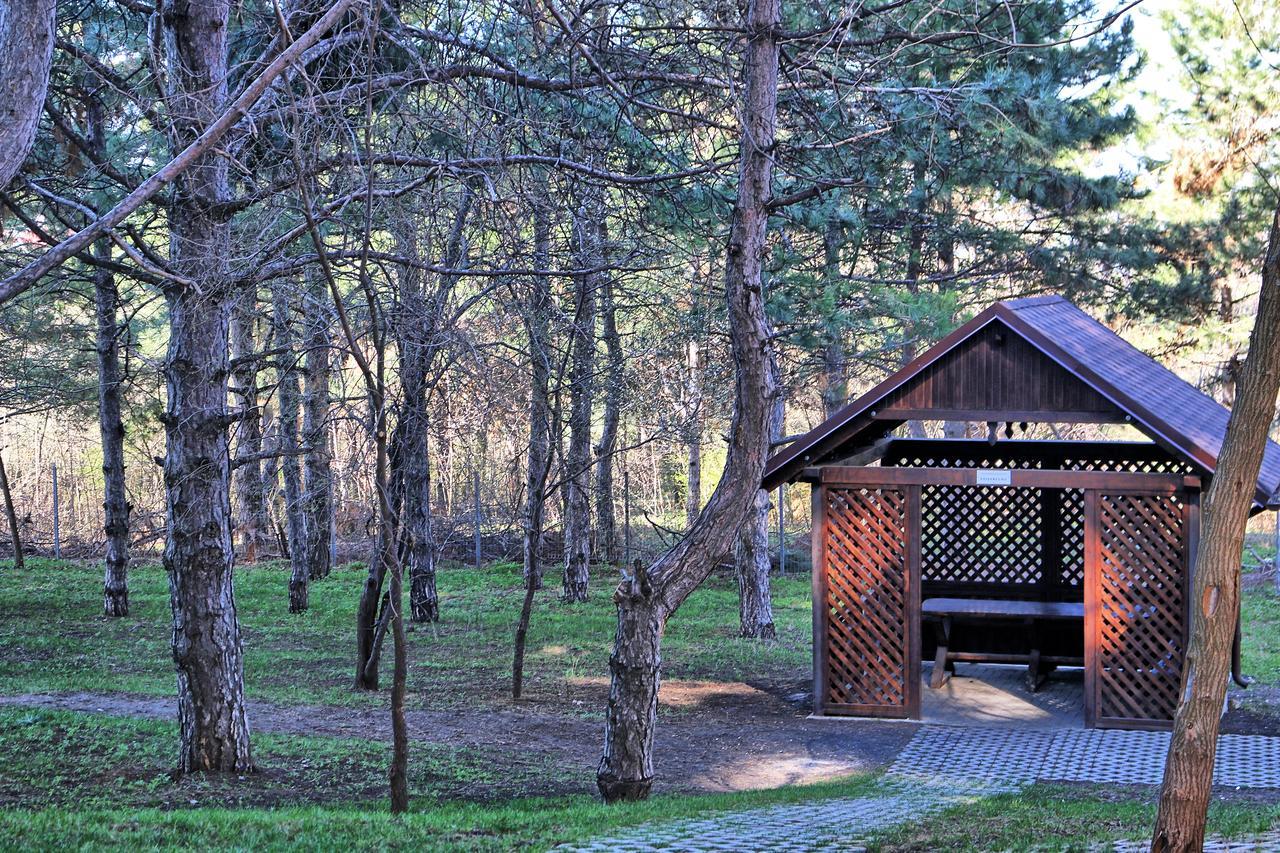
(1172,412)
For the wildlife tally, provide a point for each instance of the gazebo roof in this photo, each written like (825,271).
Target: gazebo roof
(1038,359)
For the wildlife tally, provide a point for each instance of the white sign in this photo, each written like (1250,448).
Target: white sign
(995,478)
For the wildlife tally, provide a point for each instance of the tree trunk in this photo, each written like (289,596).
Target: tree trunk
(318,485)
(289,396)
(15,532)
(577,522)
(115,503)
(253,523)
(26,55)
(835,381)
(647,598)
(109,331)
(198,555)
(537,319)
(693,433)
(752,562)
(1215,594)
(411,463)
(606,524)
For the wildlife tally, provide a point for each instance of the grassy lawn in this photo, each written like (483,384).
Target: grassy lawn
(1050,817)
(80,780)
(53,638)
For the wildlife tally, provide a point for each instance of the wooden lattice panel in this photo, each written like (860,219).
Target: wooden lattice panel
(1140,640)
(981,535)
(867,587)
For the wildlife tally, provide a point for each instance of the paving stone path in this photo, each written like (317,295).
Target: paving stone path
(946,766)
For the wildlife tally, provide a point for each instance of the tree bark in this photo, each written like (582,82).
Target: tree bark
(109,331)
(577,522)
(15,532)
(318,483)
(835,381)
(26,55)
(648,597)
(198,555)
(693,432)
(537,319)
(1215,593)
(115,503)
(290,398)
(755,599)
(253,521)
(606,523)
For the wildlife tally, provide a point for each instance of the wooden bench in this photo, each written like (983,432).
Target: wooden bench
(944,611)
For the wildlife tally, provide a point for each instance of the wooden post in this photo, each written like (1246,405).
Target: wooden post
(475,480)
(57,533)
(782,529)
(12,516)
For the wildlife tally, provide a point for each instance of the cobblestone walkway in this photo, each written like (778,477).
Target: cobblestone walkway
(945,766)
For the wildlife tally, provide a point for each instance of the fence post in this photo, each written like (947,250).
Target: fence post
(476,483)
(57,532)
(626,517)
(782,529)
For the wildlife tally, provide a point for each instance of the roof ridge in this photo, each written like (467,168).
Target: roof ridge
(1029,301)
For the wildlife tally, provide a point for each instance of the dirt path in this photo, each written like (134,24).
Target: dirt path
(756,743)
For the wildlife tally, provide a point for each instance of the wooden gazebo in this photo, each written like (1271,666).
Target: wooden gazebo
(1040,552)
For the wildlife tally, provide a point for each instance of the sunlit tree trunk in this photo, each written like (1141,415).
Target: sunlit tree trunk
(1215,591)
(198,555)
(606,523)
(648,597)
(752,560)
(692,432)
(537,317)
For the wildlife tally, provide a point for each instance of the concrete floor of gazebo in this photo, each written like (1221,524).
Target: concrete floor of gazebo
(996,695)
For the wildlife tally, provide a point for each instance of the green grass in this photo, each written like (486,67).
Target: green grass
(53,637)
(1260,634)
(1051,817)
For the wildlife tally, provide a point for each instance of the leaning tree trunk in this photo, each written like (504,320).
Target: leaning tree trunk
(253,522)
(606,522)
(289,395)
(26,55)
(198,554)
(648,597)
(577,522)
(15,532)
(318,485)
(1215,593)
(109,330)
(115,502)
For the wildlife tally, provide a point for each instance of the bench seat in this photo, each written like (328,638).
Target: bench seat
(943,611)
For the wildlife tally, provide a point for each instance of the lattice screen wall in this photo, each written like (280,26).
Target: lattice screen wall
(1007,536)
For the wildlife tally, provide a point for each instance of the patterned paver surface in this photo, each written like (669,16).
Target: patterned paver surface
(944,766)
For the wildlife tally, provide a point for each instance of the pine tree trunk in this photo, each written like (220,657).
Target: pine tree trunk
(198,554)
(1215,593)
(606,524)
(318,483)
(15,532)
(537,318)
(289,396)
(26,55)
(693,433)
(253,523)
(577,523)
(647,598)
(755,599)
(115,503)
(109,331)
